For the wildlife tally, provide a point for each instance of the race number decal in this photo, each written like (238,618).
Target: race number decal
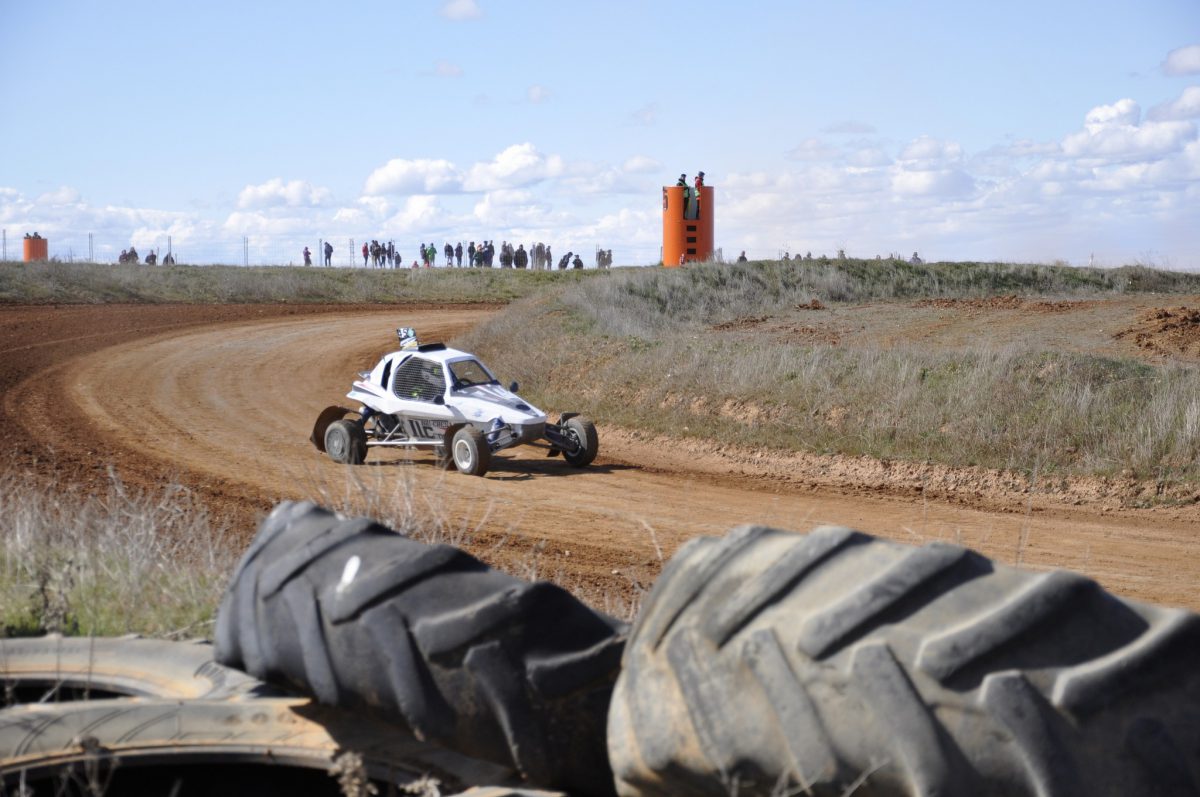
(426,430)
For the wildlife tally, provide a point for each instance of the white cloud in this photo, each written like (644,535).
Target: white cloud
(640,164)
(868,157)
(537,94)
(461,9)
(265,223)
(447,69)
(61,196)
(420,176)
(1125,142)
(517,166)
(927,148)
(939,182)
(1121,113)
(277,193)
(1186,107)
(811,149)
(421,214)
(1183,61)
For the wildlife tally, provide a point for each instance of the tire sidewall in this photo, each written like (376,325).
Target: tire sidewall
(465,453)
(583,433)
(338,442)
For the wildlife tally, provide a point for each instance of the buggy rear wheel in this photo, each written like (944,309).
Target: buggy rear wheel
(470,451)
(346,442)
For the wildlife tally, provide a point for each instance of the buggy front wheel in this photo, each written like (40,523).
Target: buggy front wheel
(346,442)
(580,432)
(470,451)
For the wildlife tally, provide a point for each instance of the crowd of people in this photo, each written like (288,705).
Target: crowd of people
(538,257)
(131,256)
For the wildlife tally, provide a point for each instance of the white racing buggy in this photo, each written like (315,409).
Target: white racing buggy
(430,396)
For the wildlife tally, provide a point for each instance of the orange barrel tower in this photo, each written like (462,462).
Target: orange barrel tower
(36,249)
(687,227)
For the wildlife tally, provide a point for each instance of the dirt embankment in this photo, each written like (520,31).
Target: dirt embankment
(1166,332)
(222,399)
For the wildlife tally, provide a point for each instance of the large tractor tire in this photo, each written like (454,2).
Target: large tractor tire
(269,746)
(53,669)
(768,662)
(427,635)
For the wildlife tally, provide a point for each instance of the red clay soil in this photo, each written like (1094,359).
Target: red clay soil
(1010,302)
(222,400)
(1166,332)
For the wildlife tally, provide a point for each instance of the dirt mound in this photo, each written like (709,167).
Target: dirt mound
(1010,302)
(746,322)
(1167,332)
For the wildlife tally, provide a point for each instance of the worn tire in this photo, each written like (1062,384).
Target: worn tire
(470,451)
(584,431)
(149,745)
(56,669)
(346,442)
(427,635)
(766,660)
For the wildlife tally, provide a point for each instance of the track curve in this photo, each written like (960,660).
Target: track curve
(223,401)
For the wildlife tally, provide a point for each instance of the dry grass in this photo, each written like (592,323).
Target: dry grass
(89,283)
(124,562)
(638,350)
(156,563)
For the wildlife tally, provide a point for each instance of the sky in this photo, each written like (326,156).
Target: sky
(243,132)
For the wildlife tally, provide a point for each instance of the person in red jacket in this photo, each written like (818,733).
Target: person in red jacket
(366,250)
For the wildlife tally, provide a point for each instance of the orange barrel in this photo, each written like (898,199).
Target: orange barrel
(690,237)
(36,249)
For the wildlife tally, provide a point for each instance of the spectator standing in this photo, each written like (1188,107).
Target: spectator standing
(328,254)
(307,257)
(742,257)
(520,257)
(152,258)
(548,260)
(458,254)
(577,262)
(449,250)
(471,254)
(366,250)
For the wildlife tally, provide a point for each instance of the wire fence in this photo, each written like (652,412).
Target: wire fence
(266,250)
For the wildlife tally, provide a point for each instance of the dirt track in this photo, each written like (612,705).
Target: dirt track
(223,398)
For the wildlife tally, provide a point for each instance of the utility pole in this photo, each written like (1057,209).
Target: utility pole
(245,250)
(91,249)
(170,251)
(351,253)
(4,254)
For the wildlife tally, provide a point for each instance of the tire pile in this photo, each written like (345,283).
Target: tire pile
(762,663)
